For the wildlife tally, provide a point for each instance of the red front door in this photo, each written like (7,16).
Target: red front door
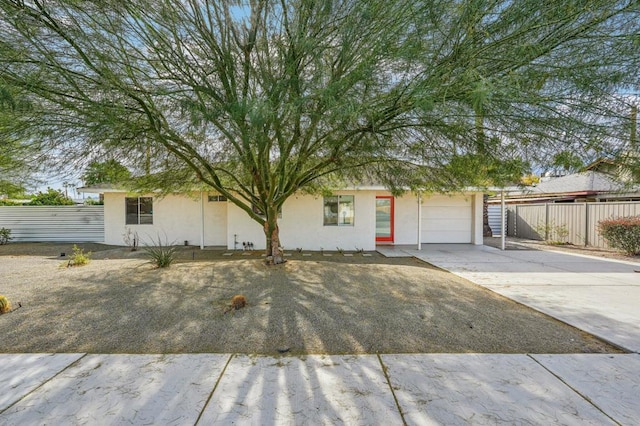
(384,219)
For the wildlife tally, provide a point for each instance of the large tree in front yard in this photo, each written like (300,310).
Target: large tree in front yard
(259,99)
(17,155)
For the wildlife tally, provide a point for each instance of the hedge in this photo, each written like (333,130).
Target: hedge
(622,233)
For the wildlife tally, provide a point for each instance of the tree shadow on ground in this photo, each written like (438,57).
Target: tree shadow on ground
(376,305)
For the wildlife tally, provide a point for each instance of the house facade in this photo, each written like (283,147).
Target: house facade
(359,218)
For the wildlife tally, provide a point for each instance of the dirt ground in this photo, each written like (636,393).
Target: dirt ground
(320,303)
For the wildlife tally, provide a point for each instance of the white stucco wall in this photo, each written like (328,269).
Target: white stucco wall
(215,222)
(301,225)
(477,237)
(176,218)
(405,218)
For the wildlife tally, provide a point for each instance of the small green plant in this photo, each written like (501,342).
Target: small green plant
(162,255)
(5,236)
(79,257)
(5,305)
(622,233)
(340,250)
(552,233)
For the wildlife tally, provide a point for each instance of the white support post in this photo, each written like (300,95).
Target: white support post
(419,219)
(201,220)
(503,225)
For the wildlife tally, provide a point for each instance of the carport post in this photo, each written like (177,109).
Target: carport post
(419,219)
(503,233)
(201,220)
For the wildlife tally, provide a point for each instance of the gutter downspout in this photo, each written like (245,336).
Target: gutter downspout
(201,220)
(419,219)
(502,220)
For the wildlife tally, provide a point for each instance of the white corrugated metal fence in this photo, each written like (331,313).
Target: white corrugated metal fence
(54,223)
(494,220)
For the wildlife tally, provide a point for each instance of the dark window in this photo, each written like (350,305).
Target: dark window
(214,198)
(139,210)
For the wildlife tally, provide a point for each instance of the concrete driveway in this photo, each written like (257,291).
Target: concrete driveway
(600,296)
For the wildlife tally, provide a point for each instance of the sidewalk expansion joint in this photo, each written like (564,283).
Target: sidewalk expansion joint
(204,407)
(45,381)
(395,398)
(585,397)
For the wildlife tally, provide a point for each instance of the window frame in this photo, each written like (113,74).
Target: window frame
(216,198)
(142,217)
(339,200)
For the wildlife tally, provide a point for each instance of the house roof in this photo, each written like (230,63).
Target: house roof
(596,165)
(109,187)
(589,183)
(584,182)
(100,188)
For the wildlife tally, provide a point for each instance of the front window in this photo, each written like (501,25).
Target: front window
(216,198)
(339,210)
(139,210)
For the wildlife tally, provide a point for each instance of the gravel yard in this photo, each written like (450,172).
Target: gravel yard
(313,304)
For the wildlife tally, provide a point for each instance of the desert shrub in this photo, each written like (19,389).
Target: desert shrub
(79,257)
(622,233)
(5,236)
(131,239)
(5,305)
(162,255)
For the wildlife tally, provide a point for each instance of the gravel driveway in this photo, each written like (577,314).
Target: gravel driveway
(316,304)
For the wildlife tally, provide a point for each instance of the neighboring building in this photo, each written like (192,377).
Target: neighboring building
(357,218)
(587,186)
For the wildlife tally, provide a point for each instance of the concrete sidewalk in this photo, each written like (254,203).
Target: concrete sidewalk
(595,295)
(600,296)
(222,389)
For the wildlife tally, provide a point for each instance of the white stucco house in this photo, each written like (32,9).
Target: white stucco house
(360,218)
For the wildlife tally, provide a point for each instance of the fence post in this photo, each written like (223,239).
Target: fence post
(503,235)
(546,221)
(586,224)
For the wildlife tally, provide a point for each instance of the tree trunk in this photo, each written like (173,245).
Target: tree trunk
(272,233)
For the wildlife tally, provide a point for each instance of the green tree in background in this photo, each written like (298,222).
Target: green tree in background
(260,99)
(52,197)
(109,171)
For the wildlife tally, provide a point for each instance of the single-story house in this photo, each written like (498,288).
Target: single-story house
(360,218)
(587,186)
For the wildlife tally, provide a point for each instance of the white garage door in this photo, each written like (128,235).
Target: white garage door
(446,219)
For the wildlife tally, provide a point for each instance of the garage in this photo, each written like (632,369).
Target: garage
(447,219)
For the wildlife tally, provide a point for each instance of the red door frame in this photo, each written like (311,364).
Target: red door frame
(390,238)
